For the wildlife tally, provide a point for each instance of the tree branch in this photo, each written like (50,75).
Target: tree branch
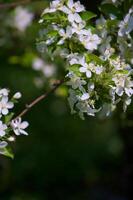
(14,4)
(40,98)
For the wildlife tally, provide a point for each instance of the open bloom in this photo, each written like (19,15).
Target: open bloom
(65,34)
(3,128)
(5,105)
(72,9)
(126,26)
(76,82)
(90,41)
(123,84)
(78,28)
(85,68)
(19,126)
(54,6)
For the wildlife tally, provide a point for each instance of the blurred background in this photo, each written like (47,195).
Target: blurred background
(64,157)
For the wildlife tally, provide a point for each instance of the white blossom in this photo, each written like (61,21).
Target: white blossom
(72,9)
(78,28)
(98,57)
(77,82)
(85,68)
(54,6)
(123,84)
(90,41)
(5,105)
(126,26)
(19,126)
(65,34)
(22,18)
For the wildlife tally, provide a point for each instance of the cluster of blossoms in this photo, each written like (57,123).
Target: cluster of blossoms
(98,54)
(9,127)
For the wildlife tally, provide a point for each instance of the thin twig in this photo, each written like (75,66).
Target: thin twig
(14,4)
(40,98)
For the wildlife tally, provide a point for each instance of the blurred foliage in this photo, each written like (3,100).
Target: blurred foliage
(63,157)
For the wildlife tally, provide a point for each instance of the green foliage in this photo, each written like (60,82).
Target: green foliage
(87,15)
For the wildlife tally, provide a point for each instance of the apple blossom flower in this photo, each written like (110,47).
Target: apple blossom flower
(54,6)
(19,126)
(123,84)
(126,26)
(90,41)
(72,9)
(5,105)
(65,34)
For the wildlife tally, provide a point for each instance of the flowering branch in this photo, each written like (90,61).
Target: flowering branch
(98,56)
(10,128)
(40,98)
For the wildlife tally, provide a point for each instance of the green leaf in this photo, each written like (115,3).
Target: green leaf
(53,33)
(110,9)
(75,69)
(87,15)
(93,57)
(7,151)
(8,118)
(48,16)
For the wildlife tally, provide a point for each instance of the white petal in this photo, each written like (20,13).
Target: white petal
(65,10)
(61,42)
(16,131)
(70,4)
(119,91)
(2,133)
(4,111)
(24,125)
(83,69)
(88,73)
(85,96)
(71,17)
(23,132)
(77,18)
(10,105)
(3,144)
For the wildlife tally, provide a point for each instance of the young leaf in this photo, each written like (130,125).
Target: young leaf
(87,15)
(7,151)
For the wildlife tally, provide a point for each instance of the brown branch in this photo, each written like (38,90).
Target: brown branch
(14,4)
(40,98)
